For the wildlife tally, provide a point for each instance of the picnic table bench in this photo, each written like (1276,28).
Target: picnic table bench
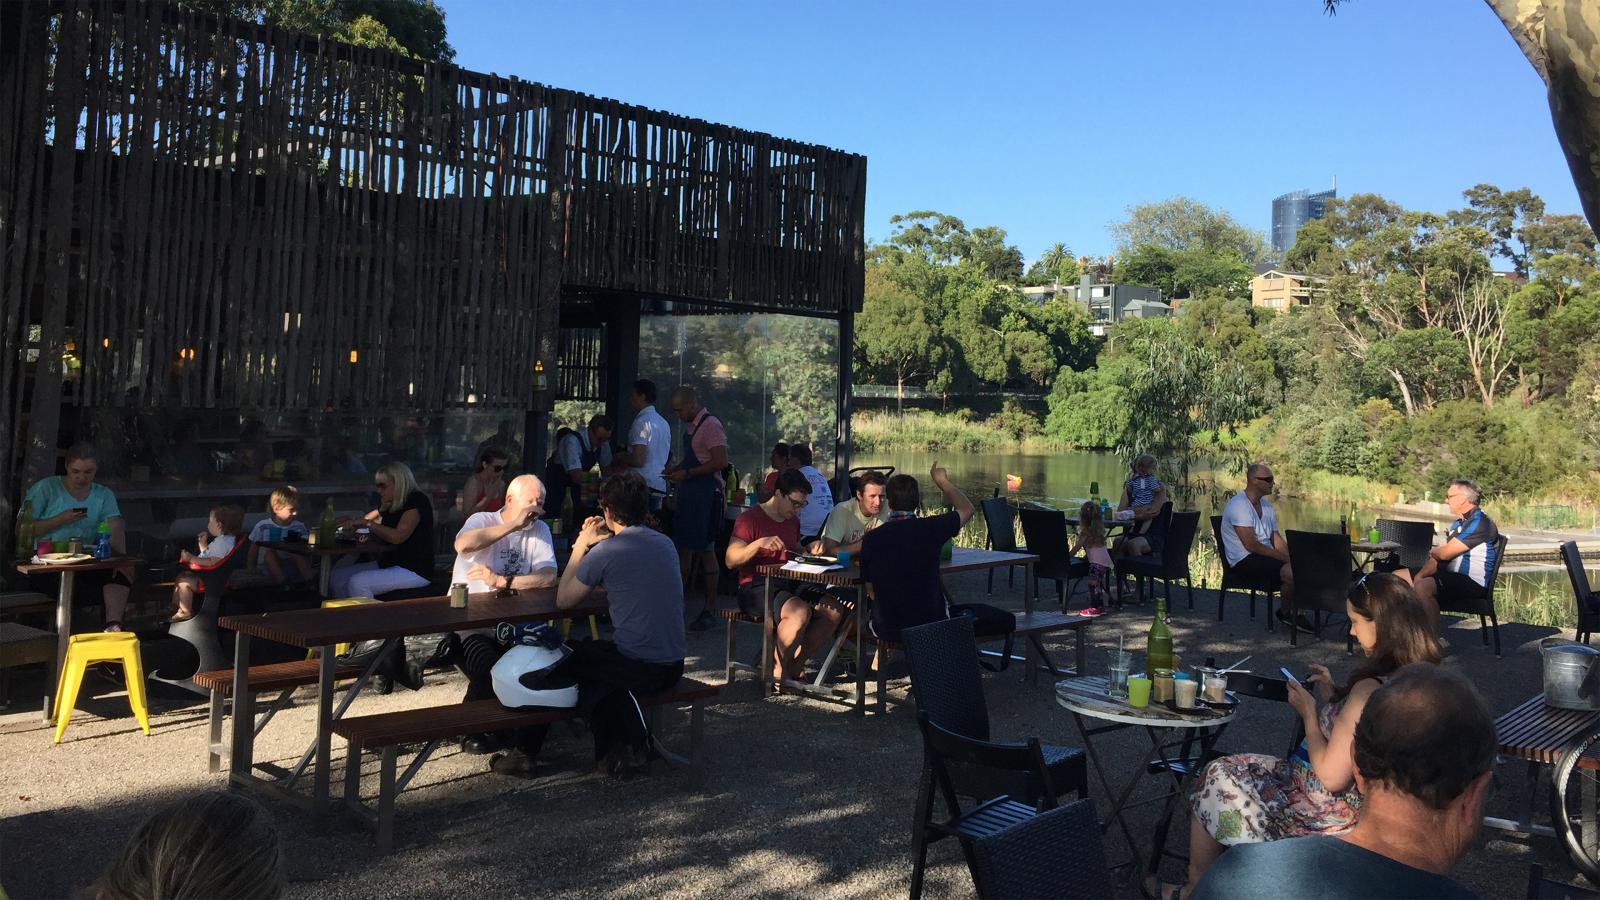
(389,731)
(285,677)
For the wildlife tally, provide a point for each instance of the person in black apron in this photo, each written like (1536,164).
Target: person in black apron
(593,450)
(699,498)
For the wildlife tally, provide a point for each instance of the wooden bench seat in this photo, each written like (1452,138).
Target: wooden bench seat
(284,677)
(25,601)
(388,731)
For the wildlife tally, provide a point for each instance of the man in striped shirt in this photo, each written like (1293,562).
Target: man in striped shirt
(1460,566)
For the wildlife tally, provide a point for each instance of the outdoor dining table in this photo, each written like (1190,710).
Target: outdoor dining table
(328,555)
(1086,698)
(1370,550)
(324,629)
(1545,737)
(68,573)
(962,559)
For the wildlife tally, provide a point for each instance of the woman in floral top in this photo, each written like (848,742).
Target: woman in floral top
(1252,798)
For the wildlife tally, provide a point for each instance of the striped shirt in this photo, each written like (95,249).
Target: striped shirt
(1479,533)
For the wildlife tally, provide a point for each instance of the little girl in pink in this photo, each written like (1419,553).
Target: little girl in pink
(1092,541)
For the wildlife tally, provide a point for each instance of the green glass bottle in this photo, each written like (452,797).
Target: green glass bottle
(327,529)
(25,531)
(1158,645)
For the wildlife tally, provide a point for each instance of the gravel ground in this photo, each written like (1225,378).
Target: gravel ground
(801,798)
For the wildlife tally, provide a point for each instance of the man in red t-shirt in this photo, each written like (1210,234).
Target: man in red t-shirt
(764,535)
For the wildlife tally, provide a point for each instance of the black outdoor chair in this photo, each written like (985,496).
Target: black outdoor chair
(1542,888)
(944,749)
(1239,580)
(1172,564)
(1320,561)
(1481,602)
(942,657)
(1045,531)
(1587,599)
(998,520)
(1055,855)
(200,632)
(1415,540)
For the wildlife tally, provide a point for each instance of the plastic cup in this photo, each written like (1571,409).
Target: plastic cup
(1117,673)
(844,558)
(1214,687)
(61,546)
(43,547)
(1185,691)
(1138,691)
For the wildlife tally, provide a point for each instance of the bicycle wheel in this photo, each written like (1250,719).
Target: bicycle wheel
(1575,806)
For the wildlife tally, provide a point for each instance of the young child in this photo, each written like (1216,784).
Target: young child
(279,568)
(1092,541)
(216,542)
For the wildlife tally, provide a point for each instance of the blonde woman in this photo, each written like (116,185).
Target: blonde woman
(403,519)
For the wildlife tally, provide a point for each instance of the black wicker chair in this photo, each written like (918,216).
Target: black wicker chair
(1415,540)
(943,660)
(1055,855)
(1239,580)
(944,751)
(1481,603)
(1320,561)
(1172,564)
(1045,531)
(1001,525)
(1587,599)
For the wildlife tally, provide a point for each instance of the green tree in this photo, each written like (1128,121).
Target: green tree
(896,337)
(1504,215)
(413,27)
(1179,223)
(1056,265)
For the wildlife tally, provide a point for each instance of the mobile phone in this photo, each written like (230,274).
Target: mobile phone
(81,509)
(1288,674)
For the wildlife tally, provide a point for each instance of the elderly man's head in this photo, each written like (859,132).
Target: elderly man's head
(524,493)
(1462,496)
(1424,752)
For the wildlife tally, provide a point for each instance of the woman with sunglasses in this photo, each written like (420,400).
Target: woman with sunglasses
(403,519)
(1253,798)
(485,490)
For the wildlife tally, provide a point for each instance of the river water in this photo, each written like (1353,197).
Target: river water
(1539,595)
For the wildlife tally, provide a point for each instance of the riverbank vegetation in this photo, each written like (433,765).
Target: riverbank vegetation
(1410,361)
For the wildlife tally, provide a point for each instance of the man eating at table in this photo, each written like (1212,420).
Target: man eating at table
(510,547)
(637,567)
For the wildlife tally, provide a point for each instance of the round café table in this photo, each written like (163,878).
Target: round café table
(1097,714)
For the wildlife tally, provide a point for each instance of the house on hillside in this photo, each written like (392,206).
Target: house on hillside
(1280,289)
(1108,302)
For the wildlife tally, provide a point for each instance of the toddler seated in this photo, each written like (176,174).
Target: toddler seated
(275,567)
(215,543)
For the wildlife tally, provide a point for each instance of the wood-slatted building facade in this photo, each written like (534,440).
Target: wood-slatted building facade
(202,213)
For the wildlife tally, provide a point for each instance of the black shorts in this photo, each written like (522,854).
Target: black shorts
(753,596)
(1455,587)
(1261,569)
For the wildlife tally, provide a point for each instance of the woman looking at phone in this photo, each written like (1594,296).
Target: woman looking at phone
(73,506)
(1252,798)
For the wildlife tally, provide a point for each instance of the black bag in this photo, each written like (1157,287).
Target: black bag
(989,621)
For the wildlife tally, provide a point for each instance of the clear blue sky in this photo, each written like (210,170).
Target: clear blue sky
(1049,119)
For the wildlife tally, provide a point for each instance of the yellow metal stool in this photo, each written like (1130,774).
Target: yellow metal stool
(82,649)
(341,649)
(566,628)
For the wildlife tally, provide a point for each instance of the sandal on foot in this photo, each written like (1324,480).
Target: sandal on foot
(179,616)
(1092,611)
(113,626)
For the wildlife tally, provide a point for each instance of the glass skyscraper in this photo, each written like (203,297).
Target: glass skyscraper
(1294,209)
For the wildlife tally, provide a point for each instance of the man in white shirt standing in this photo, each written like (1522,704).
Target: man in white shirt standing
(1251,541)
(510,547)
(815,512)
(649,440)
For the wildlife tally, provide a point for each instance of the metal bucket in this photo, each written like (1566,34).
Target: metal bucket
(1571,674)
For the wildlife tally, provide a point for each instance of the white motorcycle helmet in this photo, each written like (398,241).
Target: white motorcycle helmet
(533,648)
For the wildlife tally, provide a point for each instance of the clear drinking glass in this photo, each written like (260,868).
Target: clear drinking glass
(1117,673)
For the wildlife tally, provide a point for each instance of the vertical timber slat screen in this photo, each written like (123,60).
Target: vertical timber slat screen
(205,212)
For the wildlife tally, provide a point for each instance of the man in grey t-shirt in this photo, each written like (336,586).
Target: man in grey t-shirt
(1424,753)
(638,569)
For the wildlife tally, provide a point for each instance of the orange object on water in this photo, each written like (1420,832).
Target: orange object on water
(1013,482)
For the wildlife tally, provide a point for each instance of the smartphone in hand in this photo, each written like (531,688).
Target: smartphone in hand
(1289,675)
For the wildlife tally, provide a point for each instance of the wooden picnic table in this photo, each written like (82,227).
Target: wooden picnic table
(68,571)
(328,555)
(1545,737)
(324,629)
(962,559)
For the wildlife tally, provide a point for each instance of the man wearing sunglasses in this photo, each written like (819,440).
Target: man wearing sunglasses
(766,535)
(1253,545)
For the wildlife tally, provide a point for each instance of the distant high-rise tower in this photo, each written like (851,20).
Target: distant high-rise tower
(1294,209)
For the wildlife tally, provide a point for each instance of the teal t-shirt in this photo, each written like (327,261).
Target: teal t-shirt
(50,498)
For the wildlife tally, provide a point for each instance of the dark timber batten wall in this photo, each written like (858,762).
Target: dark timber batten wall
(244,216)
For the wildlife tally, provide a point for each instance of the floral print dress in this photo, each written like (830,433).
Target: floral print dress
(1251,798)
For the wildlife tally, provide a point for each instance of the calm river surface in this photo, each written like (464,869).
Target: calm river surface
(1540,595)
